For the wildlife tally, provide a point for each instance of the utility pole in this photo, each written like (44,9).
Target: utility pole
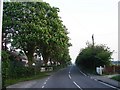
(93,50)
(93,40)
(1,13)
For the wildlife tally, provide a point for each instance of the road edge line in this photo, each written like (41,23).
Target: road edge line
(107,84)
(77,85)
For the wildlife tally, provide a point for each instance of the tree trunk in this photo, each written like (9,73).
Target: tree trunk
(29,54)
(30,58)
(51,62)
(45,59)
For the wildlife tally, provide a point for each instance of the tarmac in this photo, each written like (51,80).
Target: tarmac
(106,80)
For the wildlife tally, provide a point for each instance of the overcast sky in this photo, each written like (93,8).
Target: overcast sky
(86,17)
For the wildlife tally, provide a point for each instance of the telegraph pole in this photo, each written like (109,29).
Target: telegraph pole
(1,13)
(93,50)
(93,40)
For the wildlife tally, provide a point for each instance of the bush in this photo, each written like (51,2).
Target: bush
(12,69)
(18,70)
(5,67)
(94,56)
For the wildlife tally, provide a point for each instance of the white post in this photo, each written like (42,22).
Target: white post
(101,69)
(1,12)
(97,70)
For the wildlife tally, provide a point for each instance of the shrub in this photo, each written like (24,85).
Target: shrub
(94,56)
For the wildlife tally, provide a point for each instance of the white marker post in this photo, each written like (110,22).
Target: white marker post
(1,13)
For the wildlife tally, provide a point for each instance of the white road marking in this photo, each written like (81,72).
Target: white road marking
(77,85)
(74,81)
(82,73)
(91,78)
(95,79)
(109,85)
(44,82)
(69,76)
(42,86)
(105,84)
(70,69)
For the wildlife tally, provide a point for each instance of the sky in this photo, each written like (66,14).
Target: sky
(86,17)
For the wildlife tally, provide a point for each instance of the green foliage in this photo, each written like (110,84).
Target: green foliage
(12,81)
(116,78)
(94,56)
(36,26)
(18,70)
(12,69)
(32,28)
(5,64)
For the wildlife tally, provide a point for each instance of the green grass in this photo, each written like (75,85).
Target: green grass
(91,71)
(32,77)
(38,76)
(88,71)
(116,78)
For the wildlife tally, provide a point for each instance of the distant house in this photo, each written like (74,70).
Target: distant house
(20,57)
(115,62)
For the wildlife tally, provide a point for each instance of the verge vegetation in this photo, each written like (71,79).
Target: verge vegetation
(36,30)
(91,57)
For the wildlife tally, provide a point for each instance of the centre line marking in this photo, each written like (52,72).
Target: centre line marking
(42,86)
(69,76)
(44,82)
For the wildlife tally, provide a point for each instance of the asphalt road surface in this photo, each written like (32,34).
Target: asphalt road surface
(70,77)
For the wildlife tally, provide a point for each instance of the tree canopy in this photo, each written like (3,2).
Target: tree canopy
(36,27)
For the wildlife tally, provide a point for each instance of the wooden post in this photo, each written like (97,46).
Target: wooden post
(93,40)
(1,12)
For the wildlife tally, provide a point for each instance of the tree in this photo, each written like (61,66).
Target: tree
(36,28)
(91,57)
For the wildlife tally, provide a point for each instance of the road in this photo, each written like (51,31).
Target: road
(70,77)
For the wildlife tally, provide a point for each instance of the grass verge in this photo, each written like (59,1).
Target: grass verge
(38,76)
(88,71)
(32,77)
(117,78)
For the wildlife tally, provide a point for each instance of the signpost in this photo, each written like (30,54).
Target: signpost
(1,11)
